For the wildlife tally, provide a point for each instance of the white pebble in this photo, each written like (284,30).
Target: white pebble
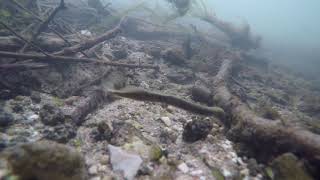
(93,170)
(226,173)
(183,168)
(166,121)
(196,172)
(95,178)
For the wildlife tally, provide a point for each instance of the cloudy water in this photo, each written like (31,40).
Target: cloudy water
(159,89)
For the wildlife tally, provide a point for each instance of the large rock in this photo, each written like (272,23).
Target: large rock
(128,164)
(288,167)
(45,160)
(51,115)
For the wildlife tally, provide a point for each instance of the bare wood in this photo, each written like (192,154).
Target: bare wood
(86,106)
(22,66)
(23,39)
(91,42)
(143,95)
(65,59)
(247,127)
(45,23)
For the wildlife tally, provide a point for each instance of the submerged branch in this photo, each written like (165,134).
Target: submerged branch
(263,135)
(91,42)
(65,59)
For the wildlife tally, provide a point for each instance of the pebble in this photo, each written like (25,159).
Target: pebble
(102,168)
(196,172)
(5,119)
(104,159)
(166,121)
(93,170)
(183,168)
(226,173)
(95,178)
(33,117)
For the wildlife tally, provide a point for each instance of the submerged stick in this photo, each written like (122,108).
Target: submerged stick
(143,95)
(66,59)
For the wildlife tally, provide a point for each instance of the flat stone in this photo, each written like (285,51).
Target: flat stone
(93,170)
(183,168)
(128,164)
(166,121)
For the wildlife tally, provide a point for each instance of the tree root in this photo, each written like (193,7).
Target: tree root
(264,135)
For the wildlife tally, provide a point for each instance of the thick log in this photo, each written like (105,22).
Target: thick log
(47,43)
(44,25)
(241,37)
(91,42)
(265,136)
(21,67)
(84,107)
(64,59)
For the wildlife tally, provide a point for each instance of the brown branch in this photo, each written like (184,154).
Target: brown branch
(22,66)
(45,23)
(65,59)
(143,95)
(91,42)
(23,39)
(263,135)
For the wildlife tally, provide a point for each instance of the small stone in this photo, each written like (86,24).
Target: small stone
(51,115)
(166,121)
(102,168)
(107,178)
(183,168)
(33,117)
(119,54)
(5,119)
(96,178)
(104,159)
(61,133)
(17,108)
(35,97)
(184,177)
(93,170)
(168,136)
(104,131)
(196,172)
(196,130)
